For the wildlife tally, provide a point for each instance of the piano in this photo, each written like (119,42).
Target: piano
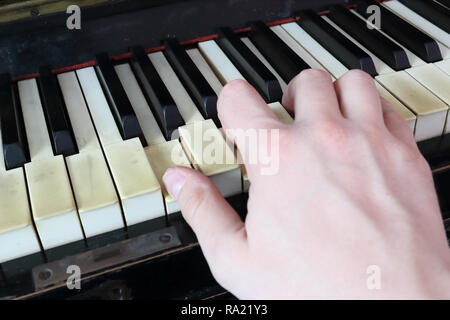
(91,117)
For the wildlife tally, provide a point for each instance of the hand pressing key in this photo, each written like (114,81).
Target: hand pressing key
(352,211)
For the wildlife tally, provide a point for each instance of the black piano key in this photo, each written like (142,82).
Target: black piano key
(199,89)
(156,93)
(58,124)
(119,103)
(436,151)
(442,184)
(426,10)
(335,42)
(15,147)
(385,49)
(441,7)
(425,47)
(249,65)
(286,62)
(445,3)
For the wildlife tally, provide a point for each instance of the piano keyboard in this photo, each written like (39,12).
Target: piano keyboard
(84,151)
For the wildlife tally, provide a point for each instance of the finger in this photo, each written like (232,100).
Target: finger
(241,107)
(396,125)
(219,230)
(244,115)
(311,95)
(359,98)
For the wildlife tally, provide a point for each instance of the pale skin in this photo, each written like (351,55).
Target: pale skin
(352,191)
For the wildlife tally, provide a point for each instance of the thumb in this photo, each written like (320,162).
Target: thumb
(219,230)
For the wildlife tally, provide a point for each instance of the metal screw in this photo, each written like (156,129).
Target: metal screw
(34,12)
(45,274)
(165,237)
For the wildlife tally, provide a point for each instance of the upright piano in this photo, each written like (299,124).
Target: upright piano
(99,98)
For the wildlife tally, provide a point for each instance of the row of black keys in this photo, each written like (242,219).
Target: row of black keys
(287,63)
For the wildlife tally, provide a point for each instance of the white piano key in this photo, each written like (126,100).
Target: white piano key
(299,50)
(18,237)
(434,79)
(95,194)
(80,120)
(445,51)
(185,105)
(431,112)
(36,128)
(103,120)
(281,113)
(380,66)
(205,69)
(258,54)
(209,153)
(161,154)
(199,136)
(150,128)
(330,63)
(418,21)
(219,62)
(138,188)
(50,192)
(162,157)
(444,65)
(406,114)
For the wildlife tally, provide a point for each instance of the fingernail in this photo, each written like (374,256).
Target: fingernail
(174,181)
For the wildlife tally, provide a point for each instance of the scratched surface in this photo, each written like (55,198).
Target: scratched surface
(26,45)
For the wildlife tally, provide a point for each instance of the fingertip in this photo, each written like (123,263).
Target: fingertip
(314,74)
(174,179)
(236,86)
(239,98)
(355,76)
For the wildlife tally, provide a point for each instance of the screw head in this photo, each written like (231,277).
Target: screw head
(165,237)
(45,274)
(34,12)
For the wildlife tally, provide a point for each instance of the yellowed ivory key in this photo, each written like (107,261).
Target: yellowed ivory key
(138,188)
(161,154)
(201,140)
(17,235)
(51,197)
(95,195)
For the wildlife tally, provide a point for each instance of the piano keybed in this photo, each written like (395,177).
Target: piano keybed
(84,151)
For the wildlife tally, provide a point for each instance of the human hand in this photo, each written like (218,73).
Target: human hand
(352,191)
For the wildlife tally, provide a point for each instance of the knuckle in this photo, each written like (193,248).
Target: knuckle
(332,132)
